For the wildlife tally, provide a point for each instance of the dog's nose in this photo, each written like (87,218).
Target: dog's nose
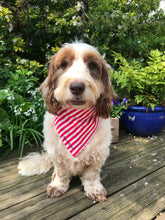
(77,88)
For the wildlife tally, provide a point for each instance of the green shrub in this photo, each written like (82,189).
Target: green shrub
(31,31)
(21,121)
(120,25)
(143,84)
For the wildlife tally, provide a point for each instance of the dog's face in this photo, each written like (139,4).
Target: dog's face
(78,78)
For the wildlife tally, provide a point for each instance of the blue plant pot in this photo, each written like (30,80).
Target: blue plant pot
(143,121)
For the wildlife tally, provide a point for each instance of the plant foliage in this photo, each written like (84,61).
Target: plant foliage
(117,107)
(144,84)
(31,31)
(128,27)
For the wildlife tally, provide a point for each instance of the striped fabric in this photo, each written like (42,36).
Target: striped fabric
(76,128)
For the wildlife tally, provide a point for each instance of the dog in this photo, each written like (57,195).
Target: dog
(77,128)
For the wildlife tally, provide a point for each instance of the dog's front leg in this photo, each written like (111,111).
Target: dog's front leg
(94,190)
(59,184)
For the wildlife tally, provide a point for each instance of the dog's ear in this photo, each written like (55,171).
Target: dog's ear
(48,86)
(45,86)
(103,104)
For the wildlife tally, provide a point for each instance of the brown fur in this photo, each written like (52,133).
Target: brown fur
(59,63)
(101,72)
(103,104)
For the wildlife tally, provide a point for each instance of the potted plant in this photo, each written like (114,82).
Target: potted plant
(144,86)
(116,112)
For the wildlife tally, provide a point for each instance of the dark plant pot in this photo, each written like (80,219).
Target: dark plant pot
(143,121)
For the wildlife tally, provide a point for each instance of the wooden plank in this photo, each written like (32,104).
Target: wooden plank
(42,206)
(130,160)
(123,149)
(140,201)
(39,202)
(126,147)
(14,181)
(133,168)
(133,145)
(30,201)
(22,193)
(7,167)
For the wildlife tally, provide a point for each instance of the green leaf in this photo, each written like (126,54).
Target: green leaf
(139,98)
(152,106)
(12,137)
(0,137)
(18,99)
(4,119)
(3,95)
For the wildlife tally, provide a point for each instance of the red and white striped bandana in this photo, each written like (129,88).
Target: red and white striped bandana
(76,127)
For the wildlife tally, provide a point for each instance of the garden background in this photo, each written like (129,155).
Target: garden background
(33,30)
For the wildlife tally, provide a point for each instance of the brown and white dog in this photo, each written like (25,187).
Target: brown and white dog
(78,79)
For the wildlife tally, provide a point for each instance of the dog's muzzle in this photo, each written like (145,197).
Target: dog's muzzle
(77,88)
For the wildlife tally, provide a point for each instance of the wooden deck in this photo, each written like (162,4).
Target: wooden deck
(134,176)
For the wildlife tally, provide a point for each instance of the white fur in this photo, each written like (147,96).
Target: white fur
(89,162)
(80,47)
(35,163)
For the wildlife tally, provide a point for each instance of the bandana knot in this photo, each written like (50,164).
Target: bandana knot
(76,127)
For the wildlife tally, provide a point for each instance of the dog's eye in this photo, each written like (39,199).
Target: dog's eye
(64,64)
(92,65)
(94,69)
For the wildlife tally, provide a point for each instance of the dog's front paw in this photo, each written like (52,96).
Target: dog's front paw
(99,196)
(53,191)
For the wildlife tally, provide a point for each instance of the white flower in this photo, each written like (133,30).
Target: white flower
(15,107)
(33,92)
(79,6)
(27,113)
(17,113)
(23,61)
(30,111)
(47,9)
(74,17)
(86,35)
(10,27)
(10,97)
(79,24)
(15,41)
(17,110)
(35,118)
(75,23)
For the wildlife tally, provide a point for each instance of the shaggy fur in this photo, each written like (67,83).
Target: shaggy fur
(75,64)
